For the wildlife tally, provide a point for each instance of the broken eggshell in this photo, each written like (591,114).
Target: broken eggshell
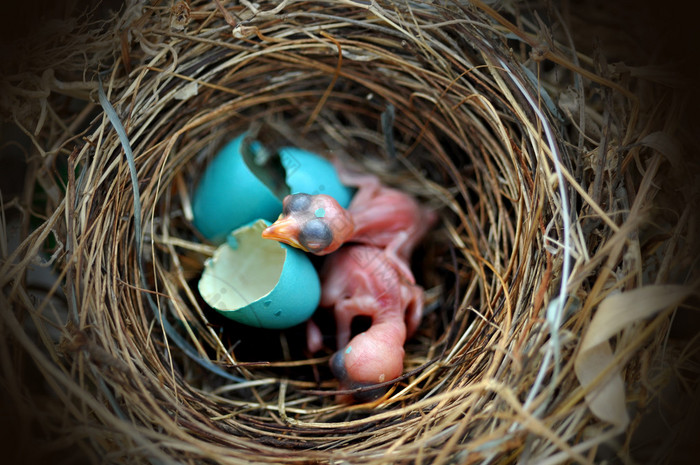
(245,182)
(312,174)
(259,282)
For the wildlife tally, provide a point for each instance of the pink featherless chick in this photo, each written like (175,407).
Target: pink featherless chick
(370,277)
(363,280)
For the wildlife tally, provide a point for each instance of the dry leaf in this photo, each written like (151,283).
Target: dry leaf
(607,399)
(666,145)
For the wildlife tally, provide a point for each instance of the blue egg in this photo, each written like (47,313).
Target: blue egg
(241,185)
(259,282)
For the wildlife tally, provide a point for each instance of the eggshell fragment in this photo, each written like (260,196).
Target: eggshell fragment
(312,174)
(260,283)
(230,195)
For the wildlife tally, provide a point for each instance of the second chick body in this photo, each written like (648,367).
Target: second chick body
(363,280)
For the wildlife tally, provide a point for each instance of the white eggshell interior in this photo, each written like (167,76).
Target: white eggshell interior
(243,270)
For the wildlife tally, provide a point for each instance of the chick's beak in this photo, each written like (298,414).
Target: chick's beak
(286,230)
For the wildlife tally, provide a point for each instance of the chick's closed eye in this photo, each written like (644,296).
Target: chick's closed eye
(296,203)
(315,235)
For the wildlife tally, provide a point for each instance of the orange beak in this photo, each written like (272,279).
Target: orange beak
(286,230)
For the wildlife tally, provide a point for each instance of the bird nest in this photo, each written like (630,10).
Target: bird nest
(546,277)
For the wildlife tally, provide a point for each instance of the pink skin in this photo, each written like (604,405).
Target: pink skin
(369,277)
(372,277)
(366,280)
(380,213)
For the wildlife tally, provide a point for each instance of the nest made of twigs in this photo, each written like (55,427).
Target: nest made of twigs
(543,171)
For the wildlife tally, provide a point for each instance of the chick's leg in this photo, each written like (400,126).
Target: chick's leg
(414,310)
(347,309)
(391,254)
(314,338)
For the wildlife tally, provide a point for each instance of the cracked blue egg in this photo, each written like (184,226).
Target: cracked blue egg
(245,182)
(259,282)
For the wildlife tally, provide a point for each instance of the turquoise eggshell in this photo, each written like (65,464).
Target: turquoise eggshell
(229,195)
(312,174)
(260,282)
